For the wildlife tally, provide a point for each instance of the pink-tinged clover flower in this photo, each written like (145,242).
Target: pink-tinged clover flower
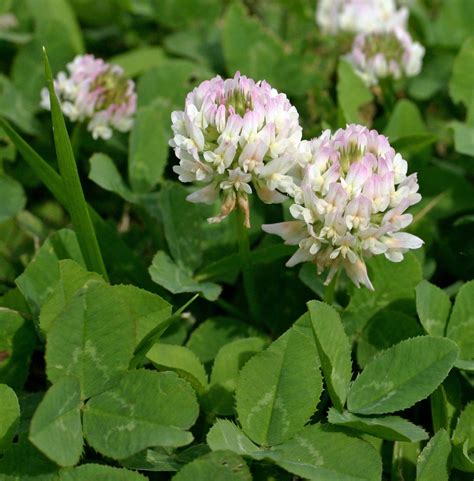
(359,16)
(351,204)
(95,92)
(391,53)
(236,135)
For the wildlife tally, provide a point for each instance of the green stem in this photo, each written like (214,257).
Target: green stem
(244,252)
(330,289)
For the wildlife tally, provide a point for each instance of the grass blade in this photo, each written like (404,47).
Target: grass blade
(50,178)
(76,204)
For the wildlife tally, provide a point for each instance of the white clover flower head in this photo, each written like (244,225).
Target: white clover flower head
(359,16)
(351,204)
(236,135)
(95,92)
(391,53)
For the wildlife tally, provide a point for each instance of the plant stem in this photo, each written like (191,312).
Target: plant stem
(244,252)
(330,289)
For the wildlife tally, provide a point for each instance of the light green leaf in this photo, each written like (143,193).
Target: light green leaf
(179,218)
(391,428)
(273,403)
(76,205)
(324,453)
(41,275)
(433,306)
(9,416)
(17,341)
(12,198)
(249,47)
(384,330)
(405,121)
(462,79)
(388,288)
(433,461)
(181,360)
(166,273)
(14,107)
(146,310)
(334,350)
(167,85)
(461,325)
(454,23)
(61,11)
(72,276)
(139,60)
(225,372)
(402,375)
(218,466)
(145,409)
(463,440)
(105,174)
(210,336)
(225,435)
(92,339)
(352,93)
(185,12)
(463,137)
(99,472)
(56,425)
(148,152)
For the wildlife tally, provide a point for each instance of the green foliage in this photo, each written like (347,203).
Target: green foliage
(219,466)
(461,325)
(433,306)
(402,375)
(152,363)
(92,339)
(334,350)
(272,405)
(181,360)
(460,85)
(352,94)
(148,148)
(463,440)
(144,409)
(17,341)
(225,372)
(99,472)
(9,416)
(56,427)
(392,428)
(433,462)
(314,453)
(12,197)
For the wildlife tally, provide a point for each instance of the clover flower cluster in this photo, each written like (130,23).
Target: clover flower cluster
(359,16)
(391,53)
(96,92)
(351,204)
(382,46)
(235,135)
